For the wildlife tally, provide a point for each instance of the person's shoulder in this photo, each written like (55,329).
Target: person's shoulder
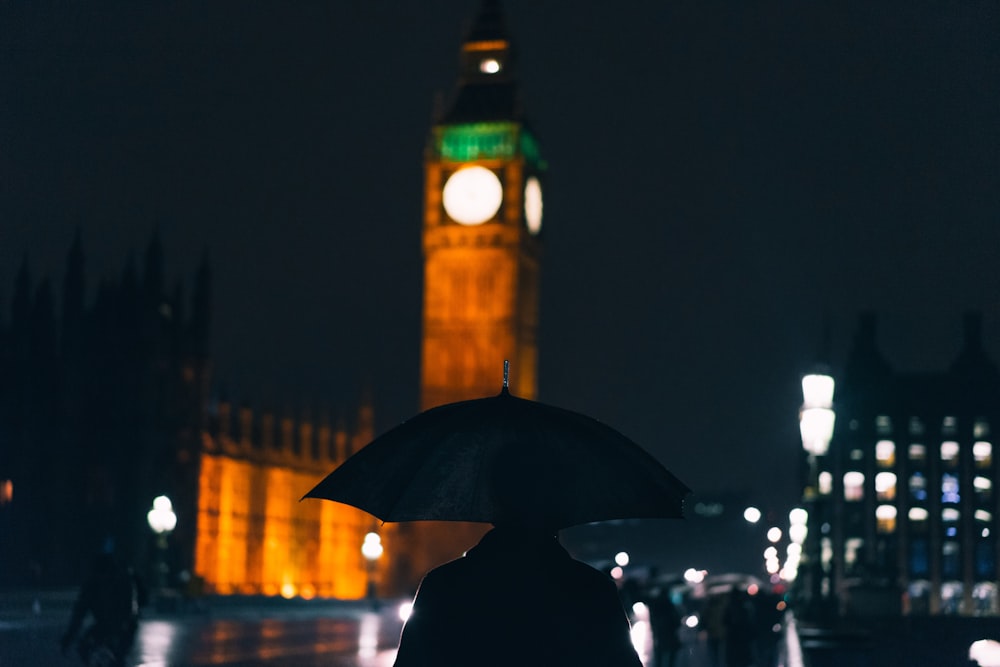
(453,569)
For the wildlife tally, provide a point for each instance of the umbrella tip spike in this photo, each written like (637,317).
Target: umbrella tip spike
(506,373)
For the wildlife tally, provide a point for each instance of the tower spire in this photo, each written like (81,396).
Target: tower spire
(487,88)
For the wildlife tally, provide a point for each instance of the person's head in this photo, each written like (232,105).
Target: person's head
(520,492)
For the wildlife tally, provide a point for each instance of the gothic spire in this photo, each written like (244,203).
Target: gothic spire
(487,88)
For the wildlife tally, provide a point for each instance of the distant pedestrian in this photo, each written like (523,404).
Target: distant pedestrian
(738,620)
(712,617)
(110,599)
(665,625)
(769,618)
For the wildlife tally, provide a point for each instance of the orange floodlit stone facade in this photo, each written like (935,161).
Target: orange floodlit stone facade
(254,536)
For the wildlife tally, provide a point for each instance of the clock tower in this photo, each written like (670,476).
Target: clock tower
(483,179)
(482,223)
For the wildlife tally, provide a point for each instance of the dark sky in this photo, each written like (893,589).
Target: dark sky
(724,178)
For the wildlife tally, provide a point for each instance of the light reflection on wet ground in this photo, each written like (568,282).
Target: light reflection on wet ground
(331,636)
(358,640)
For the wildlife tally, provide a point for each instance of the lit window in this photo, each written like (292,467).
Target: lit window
(917,514)
(949,517)
(825,483)
(983,453)
(980,428)
(918,486)
(489,66)
(949,453)
(984,516)
(949,489)
(854,485)
(885,516)
(851,548)
(983,487)
(885,485)
(885,453)
(918,452)
(6,491)
(883,425)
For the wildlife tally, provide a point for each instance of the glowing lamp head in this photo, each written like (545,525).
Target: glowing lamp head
(798,517)
(817,390)
(816,428)
(372,548)
(816,419)
(162,518)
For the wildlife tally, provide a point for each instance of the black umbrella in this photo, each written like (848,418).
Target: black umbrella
(504,458)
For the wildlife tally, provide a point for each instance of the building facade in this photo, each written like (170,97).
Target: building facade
(254,534)
(903,512)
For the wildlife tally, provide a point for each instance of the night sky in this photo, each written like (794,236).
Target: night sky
(725,179)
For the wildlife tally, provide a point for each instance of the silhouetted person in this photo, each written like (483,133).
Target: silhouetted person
(110,599)
(739,624)
(665,624)
(713,620)
(517,597)
(770,619)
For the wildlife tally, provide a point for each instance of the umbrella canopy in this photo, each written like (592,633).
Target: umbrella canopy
(504,459)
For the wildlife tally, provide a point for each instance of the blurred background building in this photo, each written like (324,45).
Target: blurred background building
(102,404)
(106,405)
(901,500)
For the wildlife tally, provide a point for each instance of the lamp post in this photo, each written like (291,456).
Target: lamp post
(162,521)
(816,422)
(372,550)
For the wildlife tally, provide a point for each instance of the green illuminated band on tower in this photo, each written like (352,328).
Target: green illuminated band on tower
(485,141)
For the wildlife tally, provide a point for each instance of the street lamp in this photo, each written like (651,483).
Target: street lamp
(162,520)
(817,417)
(816,422)
(372,550)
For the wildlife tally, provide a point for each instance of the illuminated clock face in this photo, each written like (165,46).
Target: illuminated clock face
(533,205)
(472,195)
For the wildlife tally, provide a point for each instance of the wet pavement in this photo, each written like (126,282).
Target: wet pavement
(254,633)
(295,633)
(251,634)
